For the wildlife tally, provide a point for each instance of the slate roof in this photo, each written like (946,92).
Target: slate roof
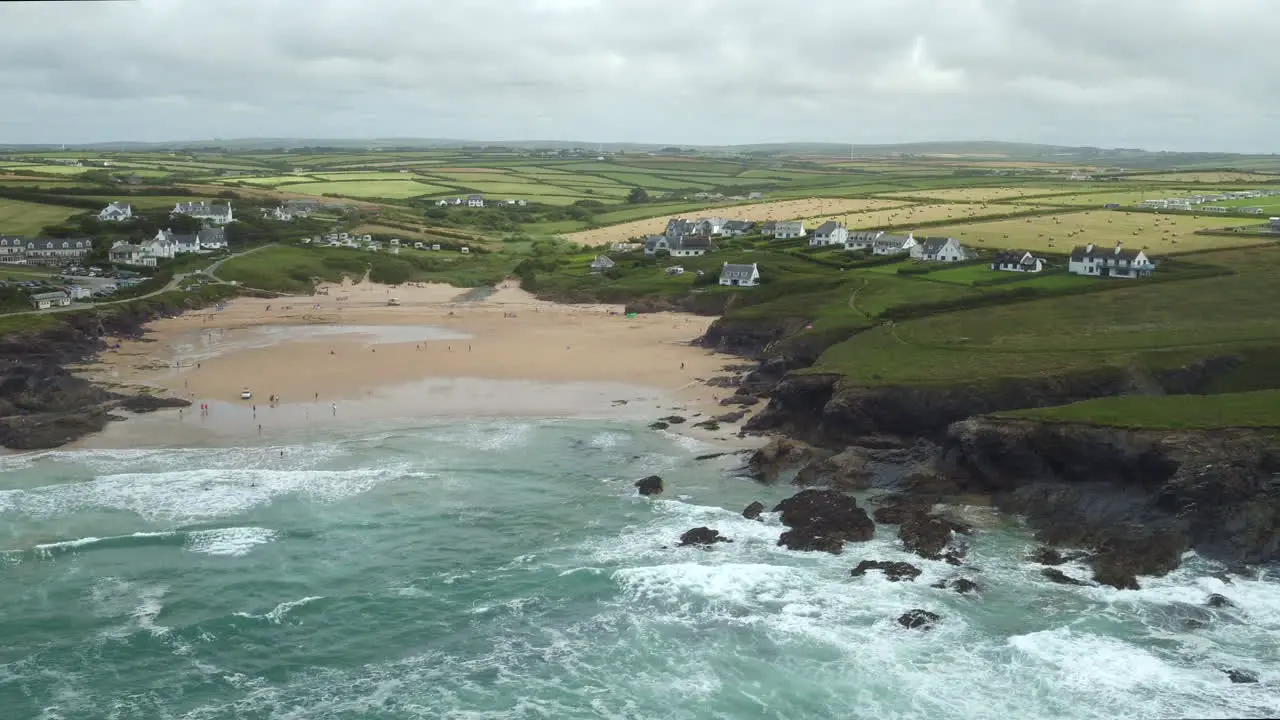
(740,272)
(739,225)
(828,227)
(1082,252)
(211,236)
(933,245)
(203,208)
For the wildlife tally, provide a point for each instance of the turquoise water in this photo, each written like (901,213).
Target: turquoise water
(506,569)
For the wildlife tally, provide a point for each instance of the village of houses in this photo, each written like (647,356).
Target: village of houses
(693,238)
(681,238)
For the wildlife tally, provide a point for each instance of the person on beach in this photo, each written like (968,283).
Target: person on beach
(335,408)
(259,428)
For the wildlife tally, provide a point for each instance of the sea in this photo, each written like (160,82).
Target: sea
(507,568)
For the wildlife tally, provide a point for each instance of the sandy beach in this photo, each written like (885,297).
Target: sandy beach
(347,352)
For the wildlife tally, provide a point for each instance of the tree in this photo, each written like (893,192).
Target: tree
(637,196)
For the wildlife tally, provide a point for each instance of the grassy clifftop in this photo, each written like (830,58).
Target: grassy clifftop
(1258,409)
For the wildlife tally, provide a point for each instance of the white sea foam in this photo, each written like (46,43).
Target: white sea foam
(233,542)
(196,495)
(277,614)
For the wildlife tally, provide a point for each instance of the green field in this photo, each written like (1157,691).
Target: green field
(25,218)
(1059,232)
(1155,325)
(295,269)
(1258,409)
(372,189)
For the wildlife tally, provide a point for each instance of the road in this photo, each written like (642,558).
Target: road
(175,282)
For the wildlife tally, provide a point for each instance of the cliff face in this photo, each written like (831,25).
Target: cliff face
(1217,491)
(825,410)
(41,404)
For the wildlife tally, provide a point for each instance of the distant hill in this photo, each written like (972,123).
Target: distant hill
(1132,158)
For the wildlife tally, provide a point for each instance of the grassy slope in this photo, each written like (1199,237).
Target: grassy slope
(295,269)
(1259,409)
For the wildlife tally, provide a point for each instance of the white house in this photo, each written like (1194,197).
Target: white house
(13,249)
(202,210)
(44,301)
(212,238)
(936,249)
(123,253)
(116,212)
(829,233)
(164,245)
(280,213)
(740,275)
(1275,224)
(1117,262)
(1014,261)
(78,292)
(878,242)
(47,250)
(683,246)
(601,263)
(737,228)
(788,229)
(709,226)
(475,201)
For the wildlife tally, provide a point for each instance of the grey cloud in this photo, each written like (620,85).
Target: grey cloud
(1182,74)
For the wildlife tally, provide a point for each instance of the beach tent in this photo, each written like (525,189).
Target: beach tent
(631,315)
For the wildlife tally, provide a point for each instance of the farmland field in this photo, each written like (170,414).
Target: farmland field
(24,218)
(907,214)
(389,189)
(1203,177)
(760,212)
(1058,233)
(979,194)
(1124,198)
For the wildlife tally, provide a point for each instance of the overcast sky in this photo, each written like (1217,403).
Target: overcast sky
(1158,74)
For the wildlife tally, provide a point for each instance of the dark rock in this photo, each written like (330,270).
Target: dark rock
(1053,556)
(704,536)
(918,619)
(823,520)
(1057,576)
(896,509)
(752,511)
(651,485)
(928,535)
(778,456)
(724,381)
(1218,601)
(671,419)
(711,456)
(659,426)
(1121,559)
(151,403)
(1194,624)
(740,401)
(1213,491)
(708,425)
(894,571)
(731,417)
(846,470)
(1241,676)
(964,585)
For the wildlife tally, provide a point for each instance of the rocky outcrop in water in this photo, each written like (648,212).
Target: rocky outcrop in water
(702,536)
(1138,498)
(918,619)
(752,511)
(823,520)
(1055,575)
(846,470)
(893,571)
(651,485)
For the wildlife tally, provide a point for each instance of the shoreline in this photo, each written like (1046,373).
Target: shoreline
(439,352)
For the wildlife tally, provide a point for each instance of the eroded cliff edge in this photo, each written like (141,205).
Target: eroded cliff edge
(42,404)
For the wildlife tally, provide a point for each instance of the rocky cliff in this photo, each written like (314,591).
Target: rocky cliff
(826,410)
(42,405)
(1138,497)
